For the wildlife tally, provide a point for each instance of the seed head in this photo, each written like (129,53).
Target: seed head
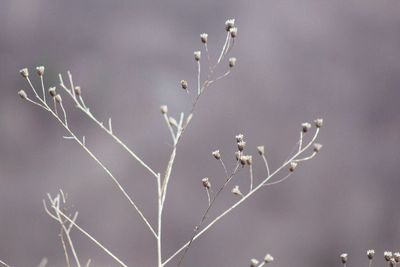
(261,150)
(317,147)
(396,256)
(232,62)
(164,109)
(241,145)
(197,55)
(77,90)
(249,160)
(239,138)
(293,166)
(22,94)
(236,191)
(184,84)
(305,127)
(370,254)
(343,257)
(216,154)
(24,72)
(52,91)
(253,262)
(319,123)
(233,32)
(206,182)
(268,258)
(58,98)
(229,24)
(204,38)
(243,160)
(40,70)
(388,255)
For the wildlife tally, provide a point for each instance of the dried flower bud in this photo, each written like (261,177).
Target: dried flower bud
(241,145)
(243,160)
(58,98)
(261,150)
(184,84)
(237,155)
(254,262)
(392,262)
(24,72)
(204,38)
(249,160)
(396,256)
(319,123)
(40,70)
(77,90)
(233,32)
(370,254)
(229,24)
(164,109)
(197,55)
(239,138)
(305,127)
(232,62)
(268,258)
(343,257)
(22,94)
(236,191)
(317,147)
(206,182)
(52,91)
(293,166)
(216,154)
(173,122)
(388,255)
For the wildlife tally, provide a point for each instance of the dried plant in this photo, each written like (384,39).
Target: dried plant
(391,259)
(306,149)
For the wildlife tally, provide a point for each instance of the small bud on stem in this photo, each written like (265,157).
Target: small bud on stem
(40,70)
(232,62)
(197,55)
(164,109)
(268,258)
(216,154)
(206,182)
(52,91)
(184,84)
(22,94)
(204,38)
(24,72)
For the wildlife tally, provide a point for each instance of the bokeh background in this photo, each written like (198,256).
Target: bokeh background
(297,60)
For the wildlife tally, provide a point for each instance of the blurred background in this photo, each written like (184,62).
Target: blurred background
(297,60)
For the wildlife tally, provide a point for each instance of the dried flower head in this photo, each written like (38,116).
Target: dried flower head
(206,182)
(305,127)
(22,94)
(249,160)
(241,145)
(317,147)
(293,166)
(52,91)
(261,150)
(396,256)
(204,38)
(236,191)
(40,70)
(243,160)
(24,72)
(197,55)
(184,84)
(216,154)
(343,257)
(268,258)
(254,262)
(229,24)
(164,109)
(58,98)
(232,62)
(388,255)
(233,31)
(77,90)
(370,254)
(239,138)
(319,123)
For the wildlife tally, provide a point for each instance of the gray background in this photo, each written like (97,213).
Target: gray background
(297,60)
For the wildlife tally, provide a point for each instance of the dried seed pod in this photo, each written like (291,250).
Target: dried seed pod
(58,98)
(396,256)
(388,255)
(254,262)
(184,84)
(229,24)
(261,150)
(370,254)
(216,154)
(52,91)
(392,262)
(206,183)
(164,109)
(197,55)
(243,160)
(239,138)
(317,147)
(40,70)
(77,90)
(305,127)
(237,155)
(293,166)
(24,72)
(319,123)
(249,160)
(173,122)
(236,191)
(22,94)
(343,258)
(232,62)
(241,145)
(233,32)
(268,258)
(204,38)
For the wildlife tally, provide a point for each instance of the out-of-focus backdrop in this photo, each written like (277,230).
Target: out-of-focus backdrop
(297,60)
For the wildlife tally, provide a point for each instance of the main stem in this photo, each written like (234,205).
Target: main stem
(159,189)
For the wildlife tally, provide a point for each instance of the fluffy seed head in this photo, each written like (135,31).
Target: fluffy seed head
(233,32)
(77,90)
(317,147)
(216,154)
(319,123)
(229,24)
(370,254)
(293,166)
(24,72)
(268,258)
(305,127)
(388,255)
(232,62)
(236,191)
(40,70)
(241,145)
(206,183)
(52,91)
(22,94)
(164,109)
(253,262)
(239,138)
(184,84)
(261,150)
(204,38)
(197,55)
(343,257)
(58,98)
